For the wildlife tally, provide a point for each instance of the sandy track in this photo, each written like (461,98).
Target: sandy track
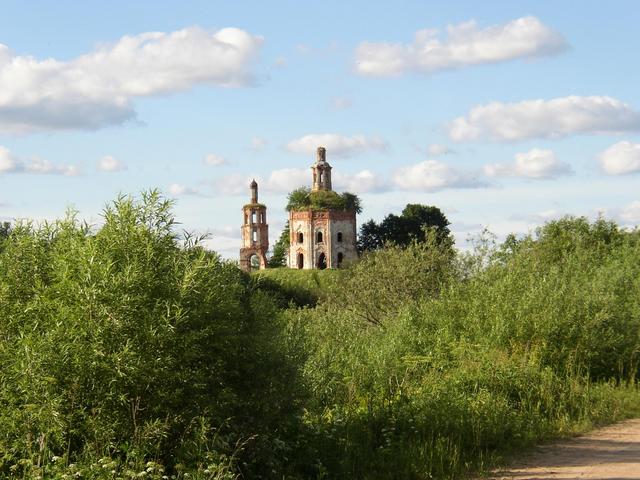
(611,453)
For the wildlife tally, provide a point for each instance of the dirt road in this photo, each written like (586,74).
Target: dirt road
(609,453)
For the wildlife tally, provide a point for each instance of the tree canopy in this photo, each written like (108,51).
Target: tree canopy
(404,228)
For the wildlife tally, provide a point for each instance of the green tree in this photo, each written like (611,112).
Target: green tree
(280,249)
(402,229)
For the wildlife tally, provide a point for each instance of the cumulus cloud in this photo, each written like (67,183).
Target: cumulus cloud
(340,146)
(554,118)
(286,179)
(179,190)
(621,159)
(9,163)
(432,175)
(536,163)
(364,181)
(465,45)
(110,164)
(214,160)
(97,89)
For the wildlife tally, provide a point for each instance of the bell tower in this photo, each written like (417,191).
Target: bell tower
(255,233)
(321,171)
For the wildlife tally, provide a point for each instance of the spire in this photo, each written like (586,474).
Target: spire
(254,191)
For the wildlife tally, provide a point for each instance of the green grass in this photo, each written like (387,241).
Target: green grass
(302,287)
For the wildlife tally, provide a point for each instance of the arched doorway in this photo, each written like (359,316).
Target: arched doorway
(340,258)
(322,262)
(254,262)
(300,261)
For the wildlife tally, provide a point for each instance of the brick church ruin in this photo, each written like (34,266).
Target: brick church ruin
(318,237)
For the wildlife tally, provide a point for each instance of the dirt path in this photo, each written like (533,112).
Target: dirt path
(611,453)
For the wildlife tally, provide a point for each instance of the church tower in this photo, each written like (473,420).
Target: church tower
(255,233)
(321,171)
(325,237)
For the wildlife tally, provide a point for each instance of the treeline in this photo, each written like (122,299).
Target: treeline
(126,352)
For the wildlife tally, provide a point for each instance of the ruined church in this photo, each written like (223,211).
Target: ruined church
(319,238)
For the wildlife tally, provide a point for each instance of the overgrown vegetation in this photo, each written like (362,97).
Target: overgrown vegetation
(303,199)
(125,350)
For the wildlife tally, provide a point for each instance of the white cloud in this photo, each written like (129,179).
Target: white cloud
(621,158)
(337,145)
(258,144)
(178,190)
(110,164)
(436,149)
(554,118)
(364,181)
(286,179)
(432,175)
(536,163)
(465,45)
(215,160)
(631,213)
(97,89)
(45,167)
(341,103)
(9,163)
(234,184)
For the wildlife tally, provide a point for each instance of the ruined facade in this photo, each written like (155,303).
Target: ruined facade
(255,233)
(321,238)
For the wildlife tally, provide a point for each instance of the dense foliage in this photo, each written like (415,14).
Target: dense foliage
(423,364)
(128,353)
(303,199)
(123,347)
(280,249)
(405,228)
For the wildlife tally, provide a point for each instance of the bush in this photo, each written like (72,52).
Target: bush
(123,344)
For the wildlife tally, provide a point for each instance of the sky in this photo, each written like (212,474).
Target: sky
(503,114)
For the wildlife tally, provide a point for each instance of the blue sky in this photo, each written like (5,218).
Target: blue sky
(503,114)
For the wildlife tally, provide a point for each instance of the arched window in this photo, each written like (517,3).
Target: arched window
(321,177)
(300,261)
(262,218)
(339,236)
(340,257)
(322,262)
(300,237)
(319,237)
(255,235)
(253,217)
